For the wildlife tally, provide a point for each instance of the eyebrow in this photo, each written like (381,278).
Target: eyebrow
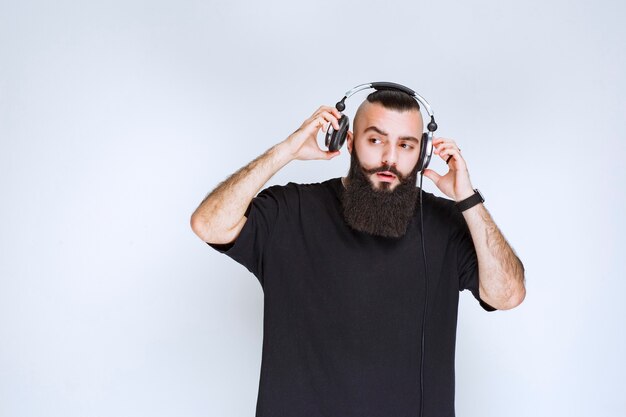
(380,132)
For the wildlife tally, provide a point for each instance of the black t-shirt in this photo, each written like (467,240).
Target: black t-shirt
(343,310)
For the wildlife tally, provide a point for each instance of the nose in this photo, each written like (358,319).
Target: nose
(390,155)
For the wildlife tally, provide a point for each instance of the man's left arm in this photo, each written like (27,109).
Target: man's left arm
(500,272)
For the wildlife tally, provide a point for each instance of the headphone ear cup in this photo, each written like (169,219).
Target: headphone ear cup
(426,151)
(336,138)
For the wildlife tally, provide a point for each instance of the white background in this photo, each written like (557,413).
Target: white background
(117,117)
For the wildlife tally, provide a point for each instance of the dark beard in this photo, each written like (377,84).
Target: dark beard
(381,212)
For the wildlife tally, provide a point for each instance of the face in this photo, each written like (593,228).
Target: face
(380,197)
(388,140)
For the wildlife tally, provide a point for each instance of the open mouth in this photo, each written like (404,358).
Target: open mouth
(385,176)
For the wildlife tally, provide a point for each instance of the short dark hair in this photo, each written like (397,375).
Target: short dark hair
(391,100)
(394,100)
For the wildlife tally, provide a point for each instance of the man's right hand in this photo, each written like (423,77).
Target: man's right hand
(302,144)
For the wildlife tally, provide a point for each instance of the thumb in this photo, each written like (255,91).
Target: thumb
(331,154)
(432,175)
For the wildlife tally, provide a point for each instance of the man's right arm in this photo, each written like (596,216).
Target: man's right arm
(221,215)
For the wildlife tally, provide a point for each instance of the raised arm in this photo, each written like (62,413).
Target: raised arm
(221,215)
(500,272)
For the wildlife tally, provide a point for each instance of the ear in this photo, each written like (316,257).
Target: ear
(350,139)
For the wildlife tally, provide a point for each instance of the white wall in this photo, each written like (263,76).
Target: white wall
(116,118)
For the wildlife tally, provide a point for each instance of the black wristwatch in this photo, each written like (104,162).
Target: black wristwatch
(471,201)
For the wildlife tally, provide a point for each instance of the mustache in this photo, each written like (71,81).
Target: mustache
(388,168)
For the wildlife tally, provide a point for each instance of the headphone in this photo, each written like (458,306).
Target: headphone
(336,138)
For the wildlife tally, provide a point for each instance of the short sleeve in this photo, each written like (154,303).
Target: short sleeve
(254,238)
(467,261)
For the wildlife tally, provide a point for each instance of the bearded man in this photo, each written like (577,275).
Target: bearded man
(361,278)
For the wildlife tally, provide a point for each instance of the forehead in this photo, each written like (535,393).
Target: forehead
(403,123)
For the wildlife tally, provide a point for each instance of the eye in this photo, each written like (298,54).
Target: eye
(374,140)
(406,146)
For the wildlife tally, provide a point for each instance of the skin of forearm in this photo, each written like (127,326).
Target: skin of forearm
(501,273)
(220,216)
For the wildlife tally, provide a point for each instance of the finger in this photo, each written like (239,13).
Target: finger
(315,115)
(432,175)
(321,154)
(445,153)
(330,118)
(335,112)
(443,143)
(438,140)
(444,146)
(453,155)
(314,125)
(329,109)
(449,153)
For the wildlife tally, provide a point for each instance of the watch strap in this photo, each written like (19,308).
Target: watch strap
(470,201)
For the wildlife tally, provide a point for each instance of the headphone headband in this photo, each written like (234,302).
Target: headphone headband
(386,85)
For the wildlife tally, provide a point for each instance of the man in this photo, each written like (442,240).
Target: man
(360,306)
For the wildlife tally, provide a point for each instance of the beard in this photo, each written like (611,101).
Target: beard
(379,212)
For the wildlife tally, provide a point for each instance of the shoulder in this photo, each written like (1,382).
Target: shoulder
(438,204)
(298,190)
(442,209)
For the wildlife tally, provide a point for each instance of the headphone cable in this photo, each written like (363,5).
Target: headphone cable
(423,345)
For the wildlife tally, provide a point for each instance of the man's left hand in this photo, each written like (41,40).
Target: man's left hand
(456,182)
